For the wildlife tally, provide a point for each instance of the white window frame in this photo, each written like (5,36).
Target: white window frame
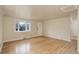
(25,27)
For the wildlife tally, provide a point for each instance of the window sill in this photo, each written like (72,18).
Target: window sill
(23,31)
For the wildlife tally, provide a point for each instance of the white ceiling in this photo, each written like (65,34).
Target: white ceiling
(35,12)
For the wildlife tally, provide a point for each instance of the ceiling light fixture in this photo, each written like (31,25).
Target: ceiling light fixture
(69,8)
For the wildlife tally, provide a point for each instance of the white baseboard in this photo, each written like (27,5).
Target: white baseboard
(36,36)
(57,38)
(21,38)
(13,40)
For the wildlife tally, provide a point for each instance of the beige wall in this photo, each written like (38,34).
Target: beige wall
(10,33)
(57,28)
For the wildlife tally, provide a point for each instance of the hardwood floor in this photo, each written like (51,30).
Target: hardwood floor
(39,45)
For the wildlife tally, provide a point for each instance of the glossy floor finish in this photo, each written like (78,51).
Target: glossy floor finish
(39,45)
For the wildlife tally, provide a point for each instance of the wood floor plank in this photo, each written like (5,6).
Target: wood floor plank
(39,45)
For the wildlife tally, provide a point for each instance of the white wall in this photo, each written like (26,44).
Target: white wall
(10,33)
(78,32)
(1,32)
(74,24)
(57,28)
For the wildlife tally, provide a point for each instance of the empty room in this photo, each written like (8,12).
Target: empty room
(39,29)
